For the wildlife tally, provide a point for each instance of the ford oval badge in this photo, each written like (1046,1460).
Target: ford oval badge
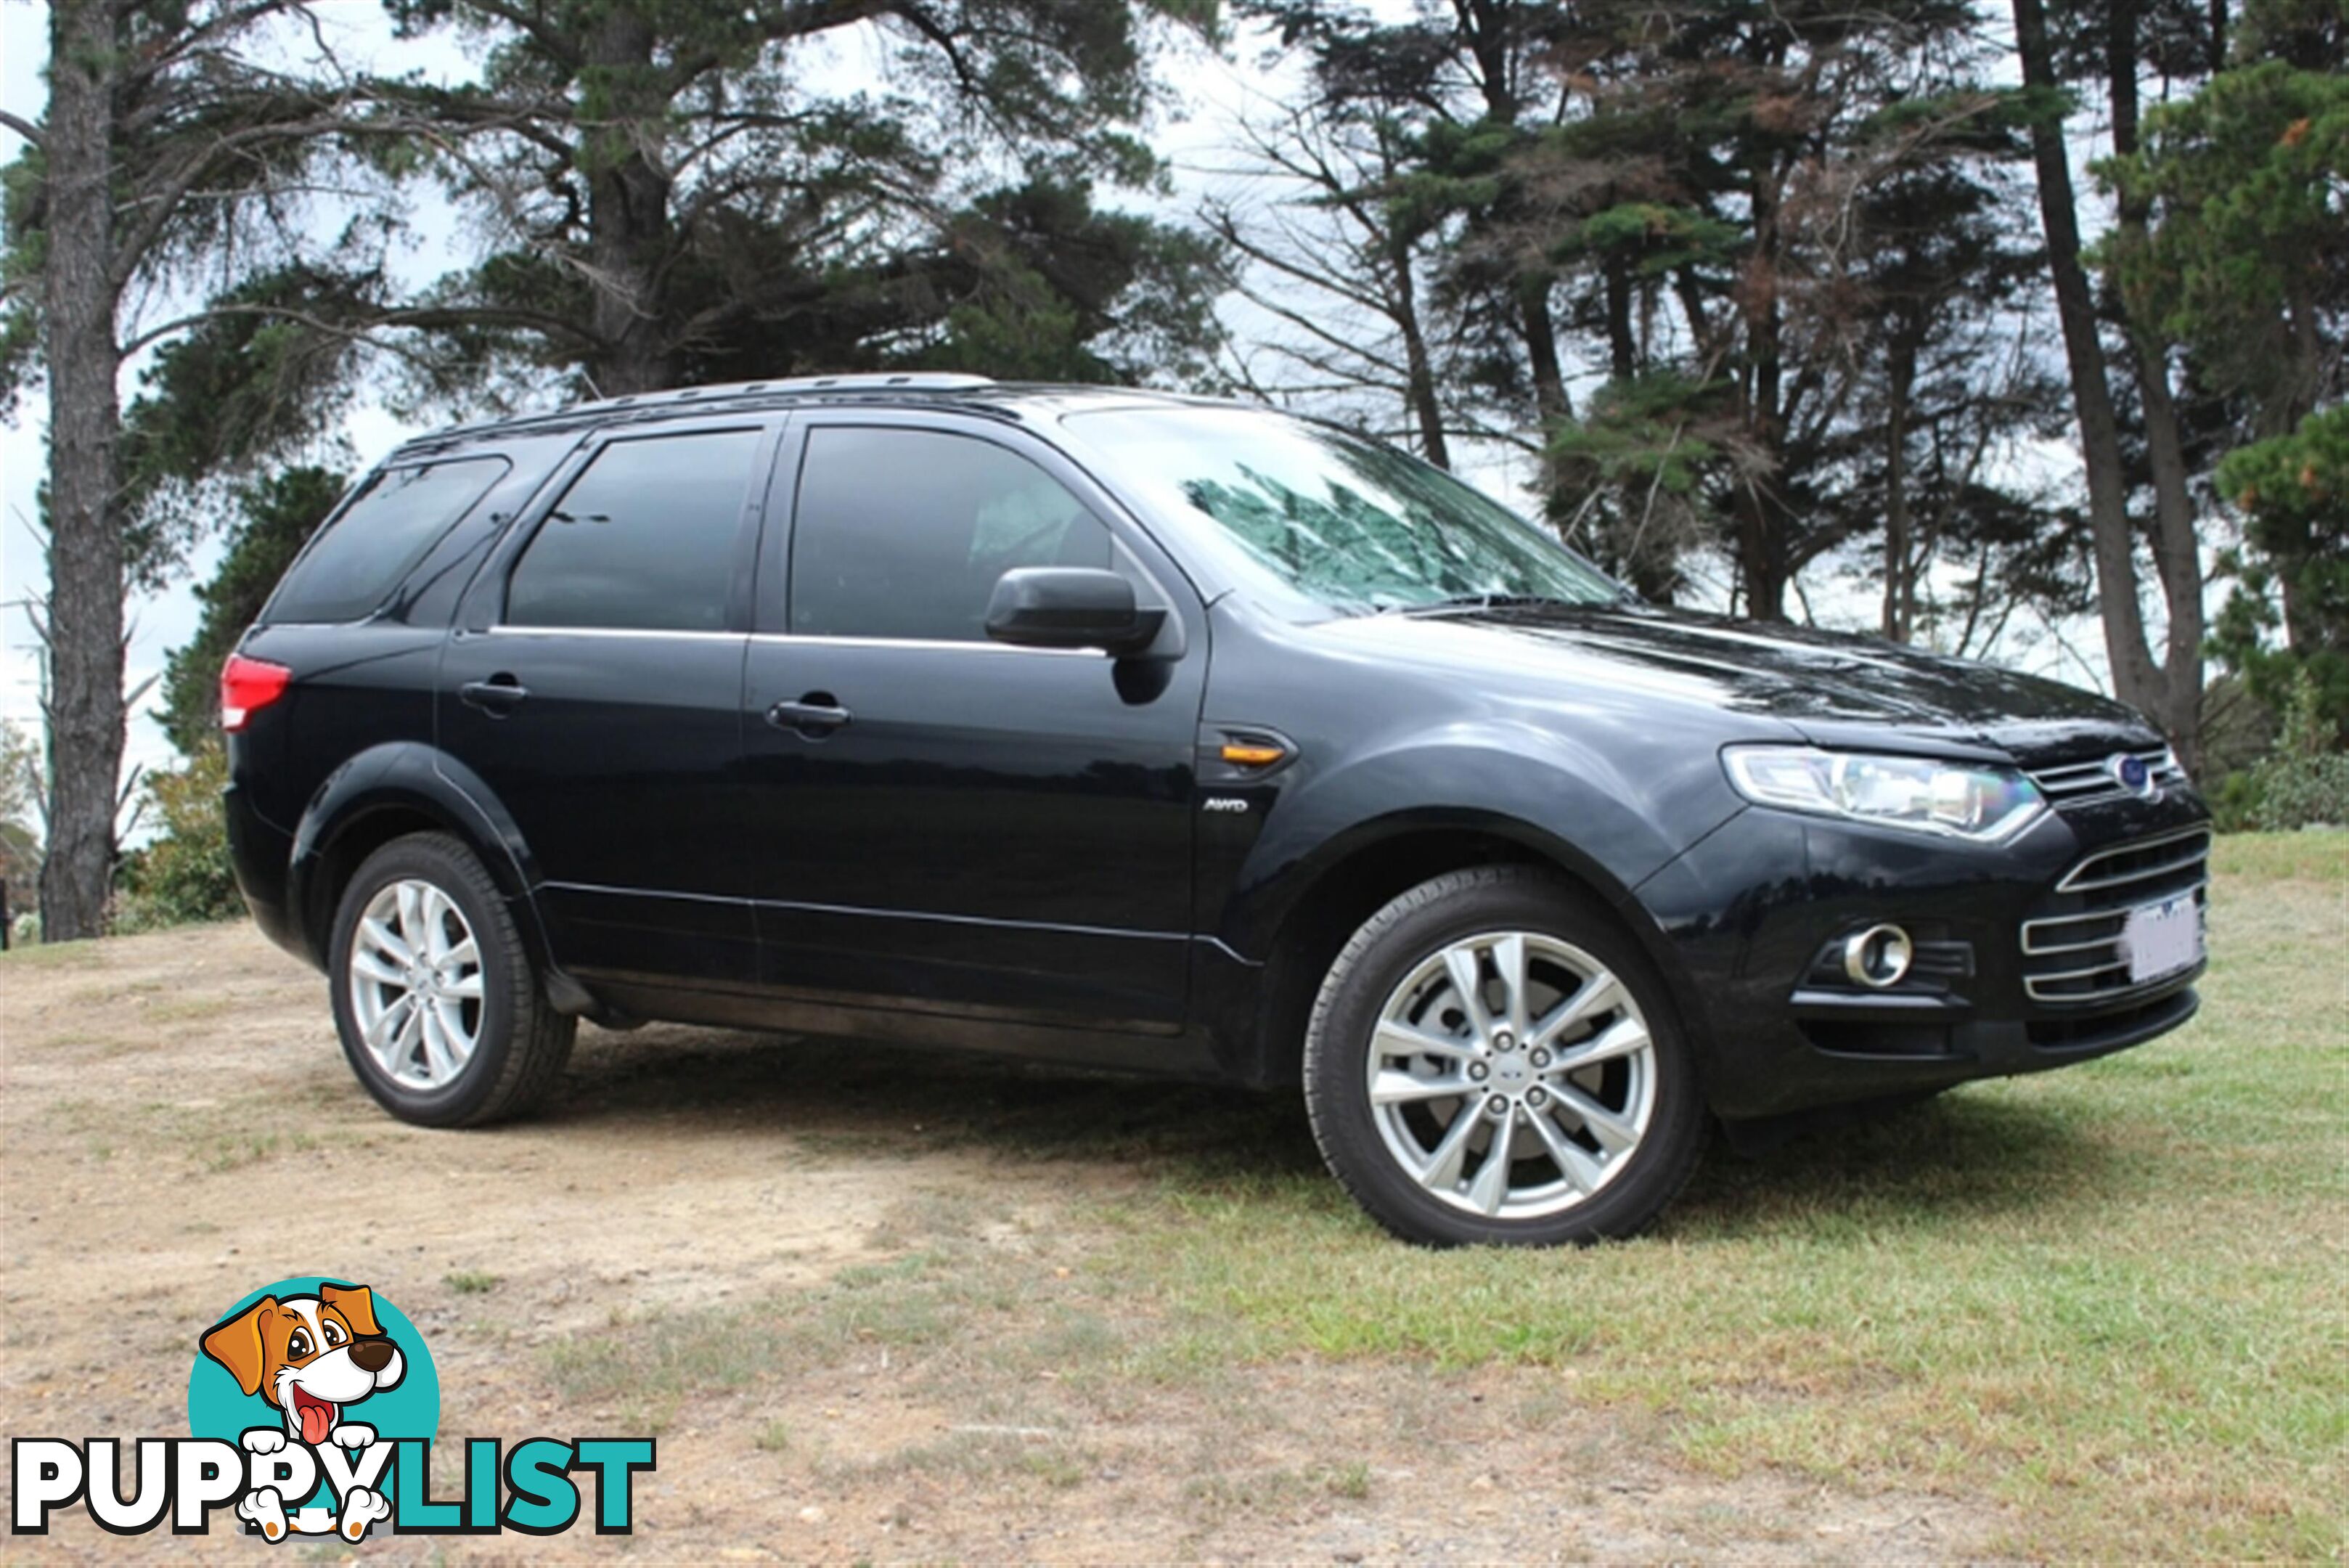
(2132,775)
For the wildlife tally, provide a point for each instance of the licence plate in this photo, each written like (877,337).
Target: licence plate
(2162,939)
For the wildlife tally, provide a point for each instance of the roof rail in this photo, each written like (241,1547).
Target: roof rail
(686,396)
(861,381)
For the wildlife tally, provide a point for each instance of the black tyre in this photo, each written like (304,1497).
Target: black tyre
(1491,998)
(439,1008)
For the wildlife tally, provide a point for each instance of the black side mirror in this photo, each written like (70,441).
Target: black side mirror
(1071,606)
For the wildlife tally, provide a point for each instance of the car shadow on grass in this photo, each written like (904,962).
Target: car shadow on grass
(1959,1153)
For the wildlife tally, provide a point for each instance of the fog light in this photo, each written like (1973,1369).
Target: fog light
(1878,957)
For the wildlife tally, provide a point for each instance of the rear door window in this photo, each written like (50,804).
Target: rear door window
(648,538)
(353,566)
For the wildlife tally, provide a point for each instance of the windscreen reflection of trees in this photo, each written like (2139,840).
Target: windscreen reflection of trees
(1398,534)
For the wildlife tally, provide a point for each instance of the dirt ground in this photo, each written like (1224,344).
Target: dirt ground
(178,1126)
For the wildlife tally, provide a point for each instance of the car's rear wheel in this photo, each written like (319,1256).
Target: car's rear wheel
(1493,1059)
(437,1002)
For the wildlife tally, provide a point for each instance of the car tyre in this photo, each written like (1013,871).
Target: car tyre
(1502,994)
(439,1007)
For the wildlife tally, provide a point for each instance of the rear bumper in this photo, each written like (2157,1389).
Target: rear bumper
(262,856)
(1756,911)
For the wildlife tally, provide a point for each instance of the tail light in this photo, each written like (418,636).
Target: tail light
(247,686)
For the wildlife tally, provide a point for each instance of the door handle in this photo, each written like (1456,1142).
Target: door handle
(498,696)
(814,716)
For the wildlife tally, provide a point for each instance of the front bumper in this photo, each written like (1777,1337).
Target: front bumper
(2016,971)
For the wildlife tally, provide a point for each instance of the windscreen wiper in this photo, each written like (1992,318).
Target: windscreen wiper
(1459,602)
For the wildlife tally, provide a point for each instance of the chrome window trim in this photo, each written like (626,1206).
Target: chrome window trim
(506,629)
(986,644)
(980,645)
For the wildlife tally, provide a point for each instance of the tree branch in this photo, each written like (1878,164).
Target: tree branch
(560,46)
(162,202)
(419,318)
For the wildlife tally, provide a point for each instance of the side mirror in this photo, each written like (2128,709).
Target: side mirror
(1071,606)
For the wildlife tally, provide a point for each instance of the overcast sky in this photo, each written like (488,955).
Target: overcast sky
(1195,140)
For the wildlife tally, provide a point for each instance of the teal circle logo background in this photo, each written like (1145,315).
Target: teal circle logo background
(217,1407)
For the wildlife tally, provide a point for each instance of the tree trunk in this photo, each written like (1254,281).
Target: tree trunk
(1762,390)
(2177,555)
(1899,576)
(627,212)
(1426,407)
(1761,557)
(85,606)
(2136,678)
(1541,349)
(2177,552)
(1622,347)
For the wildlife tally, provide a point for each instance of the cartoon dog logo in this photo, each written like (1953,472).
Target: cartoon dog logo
(313,1358)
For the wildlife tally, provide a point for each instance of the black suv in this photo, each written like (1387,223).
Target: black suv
(1161,734)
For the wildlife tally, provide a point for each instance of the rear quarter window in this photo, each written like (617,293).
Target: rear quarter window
(356,561)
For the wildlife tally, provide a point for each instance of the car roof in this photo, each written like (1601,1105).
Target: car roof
(909,389)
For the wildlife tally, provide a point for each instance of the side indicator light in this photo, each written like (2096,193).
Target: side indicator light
(1242,754)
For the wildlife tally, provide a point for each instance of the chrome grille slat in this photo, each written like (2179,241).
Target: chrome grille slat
(2087,973)
(2075,879)
(2048,950)
(2145,873)
(2090,781)
(2063,962)
(2029,926)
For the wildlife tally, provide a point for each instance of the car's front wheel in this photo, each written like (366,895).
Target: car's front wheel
(436,999)
(1493,1059)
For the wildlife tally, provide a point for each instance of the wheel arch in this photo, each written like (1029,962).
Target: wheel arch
(1325,899)
(386,793)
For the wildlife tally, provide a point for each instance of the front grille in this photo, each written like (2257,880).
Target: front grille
(2072,950)
(2088,783)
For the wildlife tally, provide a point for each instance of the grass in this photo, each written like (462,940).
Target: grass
(234,1153)
(973,1458)
(470,1282)
(56,955)
(2113,1299)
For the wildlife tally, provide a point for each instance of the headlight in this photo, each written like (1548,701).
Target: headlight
(1960,800)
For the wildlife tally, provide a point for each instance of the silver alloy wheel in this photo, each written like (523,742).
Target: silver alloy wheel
(416,984)
(1511,1074)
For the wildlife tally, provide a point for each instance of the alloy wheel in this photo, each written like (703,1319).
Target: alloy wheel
(415,979)
(1511,1074)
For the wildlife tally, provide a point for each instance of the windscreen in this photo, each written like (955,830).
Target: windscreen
(1313,518)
